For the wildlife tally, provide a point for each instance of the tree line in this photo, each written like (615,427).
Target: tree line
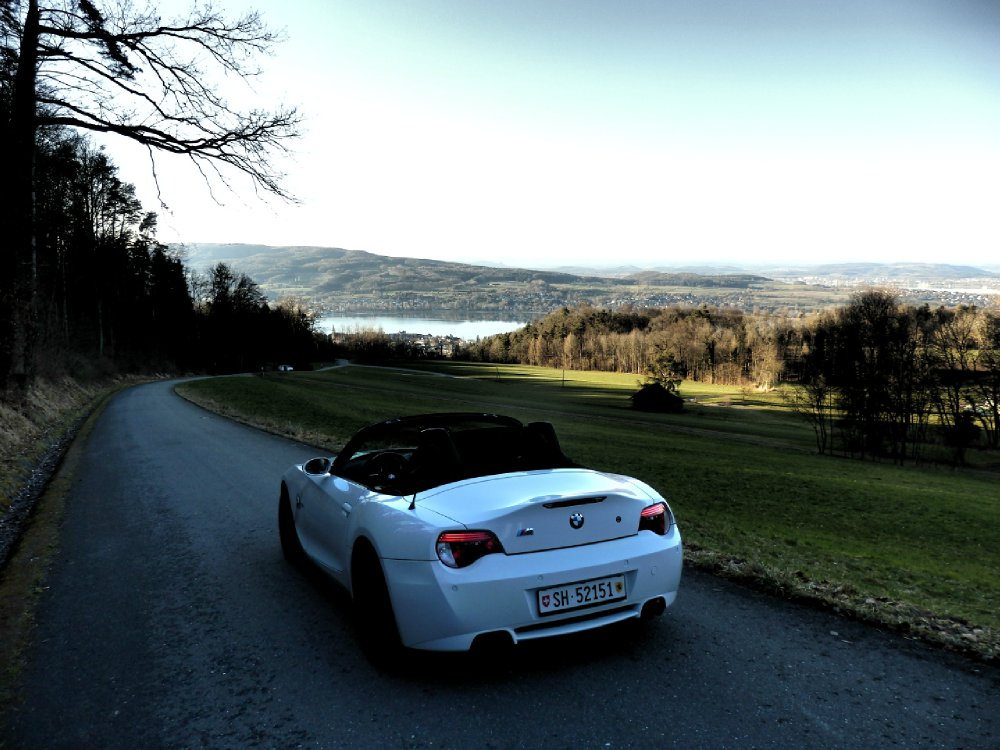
(107,296)
(877,378)
(706,344)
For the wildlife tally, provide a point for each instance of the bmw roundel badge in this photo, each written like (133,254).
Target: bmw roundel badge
(576,520)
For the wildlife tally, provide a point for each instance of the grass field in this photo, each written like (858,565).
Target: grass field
(918,548)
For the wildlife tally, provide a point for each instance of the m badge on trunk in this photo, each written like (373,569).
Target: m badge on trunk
(576,520)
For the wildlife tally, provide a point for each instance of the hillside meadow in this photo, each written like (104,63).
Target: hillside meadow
(916,548)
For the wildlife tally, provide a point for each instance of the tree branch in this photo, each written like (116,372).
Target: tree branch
(106,67)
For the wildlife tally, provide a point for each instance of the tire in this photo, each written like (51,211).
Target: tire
(374,617)
(291,547)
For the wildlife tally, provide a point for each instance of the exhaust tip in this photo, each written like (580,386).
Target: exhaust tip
(497,642)
(653,608)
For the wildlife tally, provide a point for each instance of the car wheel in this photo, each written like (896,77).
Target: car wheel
(291,547)
(373,613)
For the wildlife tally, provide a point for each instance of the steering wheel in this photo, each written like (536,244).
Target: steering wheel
(386,468)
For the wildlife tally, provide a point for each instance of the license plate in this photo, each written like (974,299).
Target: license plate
(580,595)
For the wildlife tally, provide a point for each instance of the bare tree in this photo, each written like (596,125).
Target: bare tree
(814,401)
(765,362)
(113,67)
(986,395)
(129,72)
(956,351)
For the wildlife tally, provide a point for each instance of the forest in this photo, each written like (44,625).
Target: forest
(85,287)
(875,377)
(108,297)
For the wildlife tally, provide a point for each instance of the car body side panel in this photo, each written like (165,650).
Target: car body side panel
(398,532)
(323,508)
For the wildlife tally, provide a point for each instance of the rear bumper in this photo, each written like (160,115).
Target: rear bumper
(441,609)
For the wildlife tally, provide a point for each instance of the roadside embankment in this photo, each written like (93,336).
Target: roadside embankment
(36,428)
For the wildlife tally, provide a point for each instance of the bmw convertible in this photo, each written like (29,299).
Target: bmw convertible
(451,531)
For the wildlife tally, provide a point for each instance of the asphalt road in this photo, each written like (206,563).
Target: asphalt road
(172,621)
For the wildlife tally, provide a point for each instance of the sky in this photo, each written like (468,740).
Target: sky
(542,133)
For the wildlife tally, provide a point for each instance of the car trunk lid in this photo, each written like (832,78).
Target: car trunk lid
(541,510)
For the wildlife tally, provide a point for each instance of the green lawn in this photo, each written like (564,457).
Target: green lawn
(911,545)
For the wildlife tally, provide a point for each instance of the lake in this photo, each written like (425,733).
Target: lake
(444,324)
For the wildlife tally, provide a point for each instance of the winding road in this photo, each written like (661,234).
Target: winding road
(172,621)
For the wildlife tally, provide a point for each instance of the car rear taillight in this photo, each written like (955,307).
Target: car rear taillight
(457,549)
(656,518)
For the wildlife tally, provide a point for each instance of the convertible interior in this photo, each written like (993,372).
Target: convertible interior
(412,454)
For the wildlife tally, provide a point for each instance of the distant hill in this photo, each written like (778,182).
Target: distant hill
(335,270)
(202,255)
(616,272)
(859,272)
(898,272)
(729,281)
(331,279)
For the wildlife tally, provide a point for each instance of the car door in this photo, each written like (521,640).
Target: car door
(323,511)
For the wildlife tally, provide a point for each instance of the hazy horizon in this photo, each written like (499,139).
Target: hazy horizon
(597,265)
(650,132)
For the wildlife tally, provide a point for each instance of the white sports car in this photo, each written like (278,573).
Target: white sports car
(454,530)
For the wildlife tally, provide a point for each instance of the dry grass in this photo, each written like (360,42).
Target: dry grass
(30,423)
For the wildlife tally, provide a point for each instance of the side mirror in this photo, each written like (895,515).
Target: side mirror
(317,466)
